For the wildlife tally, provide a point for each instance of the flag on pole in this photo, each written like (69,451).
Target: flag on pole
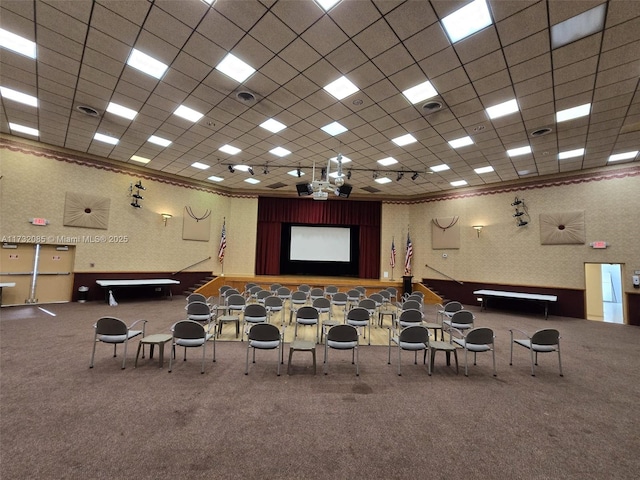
(223,242)
(392,262)
(407,258)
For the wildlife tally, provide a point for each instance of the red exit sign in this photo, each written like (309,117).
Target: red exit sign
(40,221)
(599,244)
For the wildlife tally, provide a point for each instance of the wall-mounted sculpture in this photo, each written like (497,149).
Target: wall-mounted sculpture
(562,228)
(445,233)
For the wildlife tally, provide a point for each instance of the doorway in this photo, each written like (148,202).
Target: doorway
(604,295)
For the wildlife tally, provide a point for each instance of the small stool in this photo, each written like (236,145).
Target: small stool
(229,319)
(302,346)
(445,347)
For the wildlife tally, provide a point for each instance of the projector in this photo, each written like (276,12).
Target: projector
(320,195)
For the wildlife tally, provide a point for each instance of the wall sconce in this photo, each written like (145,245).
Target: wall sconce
(478,229)
(165,217)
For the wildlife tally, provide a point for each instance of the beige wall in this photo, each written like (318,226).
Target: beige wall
(34,186)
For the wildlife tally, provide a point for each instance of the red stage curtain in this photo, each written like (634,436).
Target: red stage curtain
(273,212)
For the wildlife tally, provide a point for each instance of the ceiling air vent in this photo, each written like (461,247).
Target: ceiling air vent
(277,185)
(540,132)
(370,189)
(431,107)
(92,112)
(246,97)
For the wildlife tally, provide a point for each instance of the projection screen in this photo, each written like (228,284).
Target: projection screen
(320,244)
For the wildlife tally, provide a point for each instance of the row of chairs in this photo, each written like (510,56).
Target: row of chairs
(266,336)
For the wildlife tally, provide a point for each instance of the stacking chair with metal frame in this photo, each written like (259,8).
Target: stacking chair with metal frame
(394,293)
(253,313)
(342,337)
(262,294)
(298,299)
(284,293)
(199,312)
(316,293)
(274,287)
(330,291)
(446,311)
(546,340)
(305,288)
(273,305)
(323,305)
(414,338)
(460,320)
(307,316)
(252,292)
(191,334)
(409,317)
(339,299)
(353,297)
(113,330)
(196,297)
(360,317)
(264,336)
(362,290)
(480,339)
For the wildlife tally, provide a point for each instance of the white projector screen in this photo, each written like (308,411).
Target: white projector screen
(320,244)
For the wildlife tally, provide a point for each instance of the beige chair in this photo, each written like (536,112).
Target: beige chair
(191,334)
(114,331)
(342,337)
(546,340)
(414,338)
(264,336)
(476,340)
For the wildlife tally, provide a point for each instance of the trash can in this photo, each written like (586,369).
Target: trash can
(83,294)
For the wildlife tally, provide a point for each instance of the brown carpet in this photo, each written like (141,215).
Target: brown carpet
(61,420)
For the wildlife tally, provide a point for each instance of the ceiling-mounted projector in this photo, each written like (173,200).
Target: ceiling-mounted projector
(320,195)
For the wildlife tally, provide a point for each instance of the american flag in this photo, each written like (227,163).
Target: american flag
(223,242)
(392,262)
(407,258)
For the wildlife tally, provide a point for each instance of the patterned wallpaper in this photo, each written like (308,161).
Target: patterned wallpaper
(35,185)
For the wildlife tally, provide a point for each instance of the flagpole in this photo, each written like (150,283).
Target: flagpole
(393,253)
(222,247)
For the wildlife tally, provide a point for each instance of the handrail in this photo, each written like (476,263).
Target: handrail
(192,265)
(445,275)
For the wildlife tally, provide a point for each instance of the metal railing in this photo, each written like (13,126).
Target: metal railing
(445,275)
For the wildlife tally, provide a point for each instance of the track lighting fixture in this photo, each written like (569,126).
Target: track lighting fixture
(400,175)
(522,223)
(518,213)
(231,169)
(349,175)
(517,202)
(250,170)
(375,175)
(139,185)
(299,172)
(414,176)
(265,170)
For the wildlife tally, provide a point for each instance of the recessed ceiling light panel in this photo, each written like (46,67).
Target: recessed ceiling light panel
(272,125)
(188,113)
(19,97)
(482,170)
(235,68)
(404,140)
(571,153)
(575,112)
(440,168)
(16,43)
(213,178)
(461,142)
(139,159)
(385,162)
(467,20)
(341,88)
(229,149)
(200,166)
(383,180)
(121,111)
(252,180)
(459,183)
(163,142)
(279,152)
(15,127)
(580,26)
(515,152)
(334,129)
(146,64)
(502,109)
(420,92)
(623,156)
(105,138)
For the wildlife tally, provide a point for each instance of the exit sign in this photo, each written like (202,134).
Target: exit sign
(40,221)
(599,244)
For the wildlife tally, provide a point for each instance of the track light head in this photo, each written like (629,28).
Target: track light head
(522,223)
(400,175)
(265,170)
(299,172)
(516,202)
(139,185)
(414,176)
(250,170)
(349,175)
(518,213)
(231,169)
(375,175)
